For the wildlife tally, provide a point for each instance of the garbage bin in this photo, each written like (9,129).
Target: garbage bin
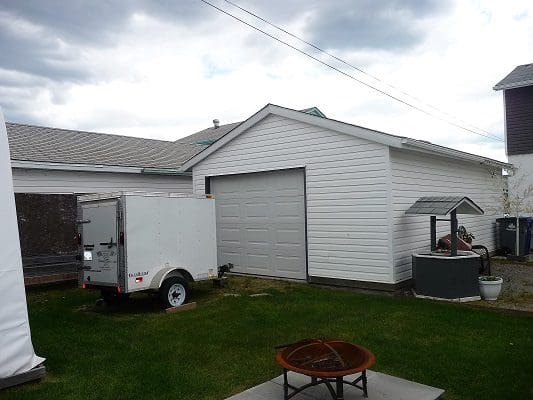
(506,228)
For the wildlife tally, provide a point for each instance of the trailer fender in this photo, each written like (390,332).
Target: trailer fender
(168,272)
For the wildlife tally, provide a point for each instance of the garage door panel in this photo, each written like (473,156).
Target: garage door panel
(289,266)
(230,236)
(229,211)
(230,256)
(261,222)
(258,236)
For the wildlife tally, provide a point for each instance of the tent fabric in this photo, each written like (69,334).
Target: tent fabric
(16,349)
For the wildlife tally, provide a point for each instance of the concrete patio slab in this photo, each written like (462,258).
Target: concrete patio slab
(380,387)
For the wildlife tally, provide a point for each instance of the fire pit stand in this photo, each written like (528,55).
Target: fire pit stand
(327,362)
(337,393)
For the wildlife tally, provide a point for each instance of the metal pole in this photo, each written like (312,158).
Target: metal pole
(453,224)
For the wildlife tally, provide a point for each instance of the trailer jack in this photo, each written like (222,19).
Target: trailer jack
(218,282)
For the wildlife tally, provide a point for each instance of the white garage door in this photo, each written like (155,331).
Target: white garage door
(261,222)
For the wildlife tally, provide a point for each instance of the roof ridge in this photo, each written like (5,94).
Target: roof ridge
(89,132)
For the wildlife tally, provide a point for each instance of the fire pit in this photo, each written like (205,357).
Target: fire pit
(325,361)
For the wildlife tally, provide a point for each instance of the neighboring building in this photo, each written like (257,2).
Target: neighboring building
(302,196)
(518,107)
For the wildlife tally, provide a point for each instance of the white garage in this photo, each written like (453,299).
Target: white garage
(357,185)
(261,222)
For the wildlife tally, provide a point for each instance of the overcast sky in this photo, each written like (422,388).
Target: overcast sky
(164,69)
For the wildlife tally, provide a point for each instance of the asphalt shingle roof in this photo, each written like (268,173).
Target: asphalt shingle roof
(443,205)
(42,144)
(519,77)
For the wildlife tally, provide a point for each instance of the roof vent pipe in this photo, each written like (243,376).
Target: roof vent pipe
(216,123)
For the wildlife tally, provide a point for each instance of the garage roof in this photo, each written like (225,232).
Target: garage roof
(400,142)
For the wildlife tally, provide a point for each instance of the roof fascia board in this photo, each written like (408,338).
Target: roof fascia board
(228,137)
(411,144)
(337,126)
(91,168)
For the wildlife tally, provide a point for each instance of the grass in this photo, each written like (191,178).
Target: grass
(227,343)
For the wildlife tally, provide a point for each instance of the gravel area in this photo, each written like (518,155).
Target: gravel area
(517,290)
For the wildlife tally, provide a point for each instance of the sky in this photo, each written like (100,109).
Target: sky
(165,69)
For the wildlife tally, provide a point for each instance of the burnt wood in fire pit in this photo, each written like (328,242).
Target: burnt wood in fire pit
(325,361)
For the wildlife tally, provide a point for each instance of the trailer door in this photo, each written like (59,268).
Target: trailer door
(100,250)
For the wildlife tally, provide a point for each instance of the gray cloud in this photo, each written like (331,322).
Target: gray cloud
(367,24)
(99,21)
(67,26)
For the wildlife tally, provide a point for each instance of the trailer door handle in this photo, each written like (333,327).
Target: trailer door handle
(109,244)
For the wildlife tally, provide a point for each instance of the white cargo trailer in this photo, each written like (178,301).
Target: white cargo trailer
(133,241)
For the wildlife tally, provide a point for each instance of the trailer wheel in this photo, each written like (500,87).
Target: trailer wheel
(174,292)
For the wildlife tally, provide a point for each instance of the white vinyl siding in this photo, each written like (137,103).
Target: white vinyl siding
(57,181)
(346,191)
(415,175)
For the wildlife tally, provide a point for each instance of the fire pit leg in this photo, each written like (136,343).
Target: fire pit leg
(285,385)
(340,388)
(365,389)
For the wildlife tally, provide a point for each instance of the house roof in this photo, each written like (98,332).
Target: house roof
(443,205)
(52,145)
(519,77)
(400,142)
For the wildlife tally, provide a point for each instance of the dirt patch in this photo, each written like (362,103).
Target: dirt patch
(517,289)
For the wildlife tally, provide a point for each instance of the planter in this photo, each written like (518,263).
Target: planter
(490,287)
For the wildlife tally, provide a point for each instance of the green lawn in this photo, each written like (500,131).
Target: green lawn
(227,343)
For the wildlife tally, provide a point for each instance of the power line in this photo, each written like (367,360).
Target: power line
(359,69)
(347,74)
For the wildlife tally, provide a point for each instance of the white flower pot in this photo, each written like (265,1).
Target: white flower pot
(490,290)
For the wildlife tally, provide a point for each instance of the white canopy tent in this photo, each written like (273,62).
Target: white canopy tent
(18,362)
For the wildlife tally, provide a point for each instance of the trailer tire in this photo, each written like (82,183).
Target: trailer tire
(174,292)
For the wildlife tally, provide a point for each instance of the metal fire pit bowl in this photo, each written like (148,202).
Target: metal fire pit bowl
(325,361)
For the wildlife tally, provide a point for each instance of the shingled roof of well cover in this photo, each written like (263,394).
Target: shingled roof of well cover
(42,144)
(443,205)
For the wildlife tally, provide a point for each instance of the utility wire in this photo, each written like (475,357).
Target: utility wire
(347,74)
(359,69)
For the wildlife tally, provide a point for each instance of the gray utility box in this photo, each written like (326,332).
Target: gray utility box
(446,277)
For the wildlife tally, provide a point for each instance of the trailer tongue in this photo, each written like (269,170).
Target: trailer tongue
(134,241)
